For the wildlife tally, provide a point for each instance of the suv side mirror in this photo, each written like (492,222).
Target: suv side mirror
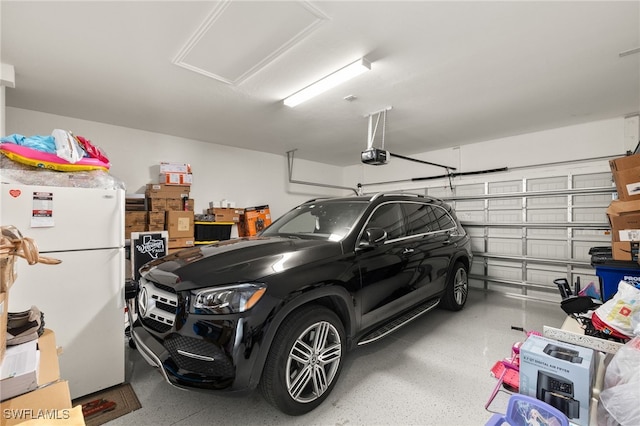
(373,237)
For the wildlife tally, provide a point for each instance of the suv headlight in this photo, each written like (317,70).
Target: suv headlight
(226,300)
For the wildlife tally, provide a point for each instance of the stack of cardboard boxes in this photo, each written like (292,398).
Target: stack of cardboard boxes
(170,207)
(624,213)
(166,206)
(220,216)
(29,372)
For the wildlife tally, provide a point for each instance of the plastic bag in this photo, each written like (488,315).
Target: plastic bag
(67,147)
(614,316)
(621,391)
(92,150)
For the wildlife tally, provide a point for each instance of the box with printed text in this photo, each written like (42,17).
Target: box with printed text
(560,374)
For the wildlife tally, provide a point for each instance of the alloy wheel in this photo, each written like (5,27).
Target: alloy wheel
(460,286)
(313,362)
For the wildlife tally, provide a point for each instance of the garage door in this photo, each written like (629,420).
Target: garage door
(527,232)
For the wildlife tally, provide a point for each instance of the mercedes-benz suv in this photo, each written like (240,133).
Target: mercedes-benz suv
(280,310)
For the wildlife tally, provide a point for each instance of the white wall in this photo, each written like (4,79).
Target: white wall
(594,140)
(247,177)
(253,178)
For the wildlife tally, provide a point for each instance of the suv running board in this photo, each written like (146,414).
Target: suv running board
(392,326)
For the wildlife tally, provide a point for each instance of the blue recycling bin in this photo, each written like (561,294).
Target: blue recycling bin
(610,272)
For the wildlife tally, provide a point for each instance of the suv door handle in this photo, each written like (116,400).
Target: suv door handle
(407,251)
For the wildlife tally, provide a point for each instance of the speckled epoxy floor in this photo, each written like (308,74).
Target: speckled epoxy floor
(434,371)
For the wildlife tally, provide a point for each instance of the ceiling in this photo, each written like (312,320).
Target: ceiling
(453,72)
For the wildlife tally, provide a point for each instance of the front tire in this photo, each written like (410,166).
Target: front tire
(455,294)
(304,360)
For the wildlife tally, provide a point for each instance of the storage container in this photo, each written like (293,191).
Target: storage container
(610,272)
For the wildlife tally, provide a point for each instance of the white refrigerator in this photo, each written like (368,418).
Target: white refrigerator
(82,298)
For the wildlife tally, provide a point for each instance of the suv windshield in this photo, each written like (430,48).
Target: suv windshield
(329,220)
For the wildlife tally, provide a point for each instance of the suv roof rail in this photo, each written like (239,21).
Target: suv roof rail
(409,194)
(316,199)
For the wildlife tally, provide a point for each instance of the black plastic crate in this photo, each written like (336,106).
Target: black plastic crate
(211,231)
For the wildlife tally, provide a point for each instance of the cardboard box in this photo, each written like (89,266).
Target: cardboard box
(174,204)
(157,204)
(169,204)
(170,167)
(560,374)
(135,218)
(53,401)
(225,214)
(626,174)
(254,220)
(155,218)
(179,224)
(51,395)
(4,305)
(623,215)
(135,203)
(624,218)
(625,250)
(8,272)
(184,179)
(135,228)
(159,190)
(49,369)
(174,243)
(19,370)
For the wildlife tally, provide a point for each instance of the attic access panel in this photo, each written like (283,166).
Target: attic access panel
(239,38)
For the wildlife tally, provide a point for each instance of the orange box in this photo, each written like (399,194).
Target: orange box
(254,220)
(172,178)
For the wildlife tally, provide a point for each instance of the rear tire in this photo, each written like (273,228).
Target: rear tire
(455,294)
(304,360)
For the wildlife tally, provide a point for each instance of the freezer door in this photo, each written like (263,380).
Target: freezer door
(61,219)
(82,299)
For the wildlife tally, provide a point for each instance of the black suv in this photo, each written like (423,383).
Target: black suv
(280,310)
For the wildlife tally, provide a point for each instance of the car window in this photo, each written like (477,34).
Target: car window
(418,218)
(389,217)
(443,220)
(304,223)
(424,218)
(331,220)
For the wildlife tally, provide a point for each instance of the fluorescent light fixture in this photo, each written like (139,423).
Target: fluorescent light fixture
(332,80)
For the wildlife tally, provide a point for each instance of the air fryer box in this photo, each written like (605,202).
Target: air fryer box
(560,374)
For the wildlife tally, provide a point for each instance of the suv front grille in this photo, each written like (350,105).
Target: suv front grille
(157,306)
